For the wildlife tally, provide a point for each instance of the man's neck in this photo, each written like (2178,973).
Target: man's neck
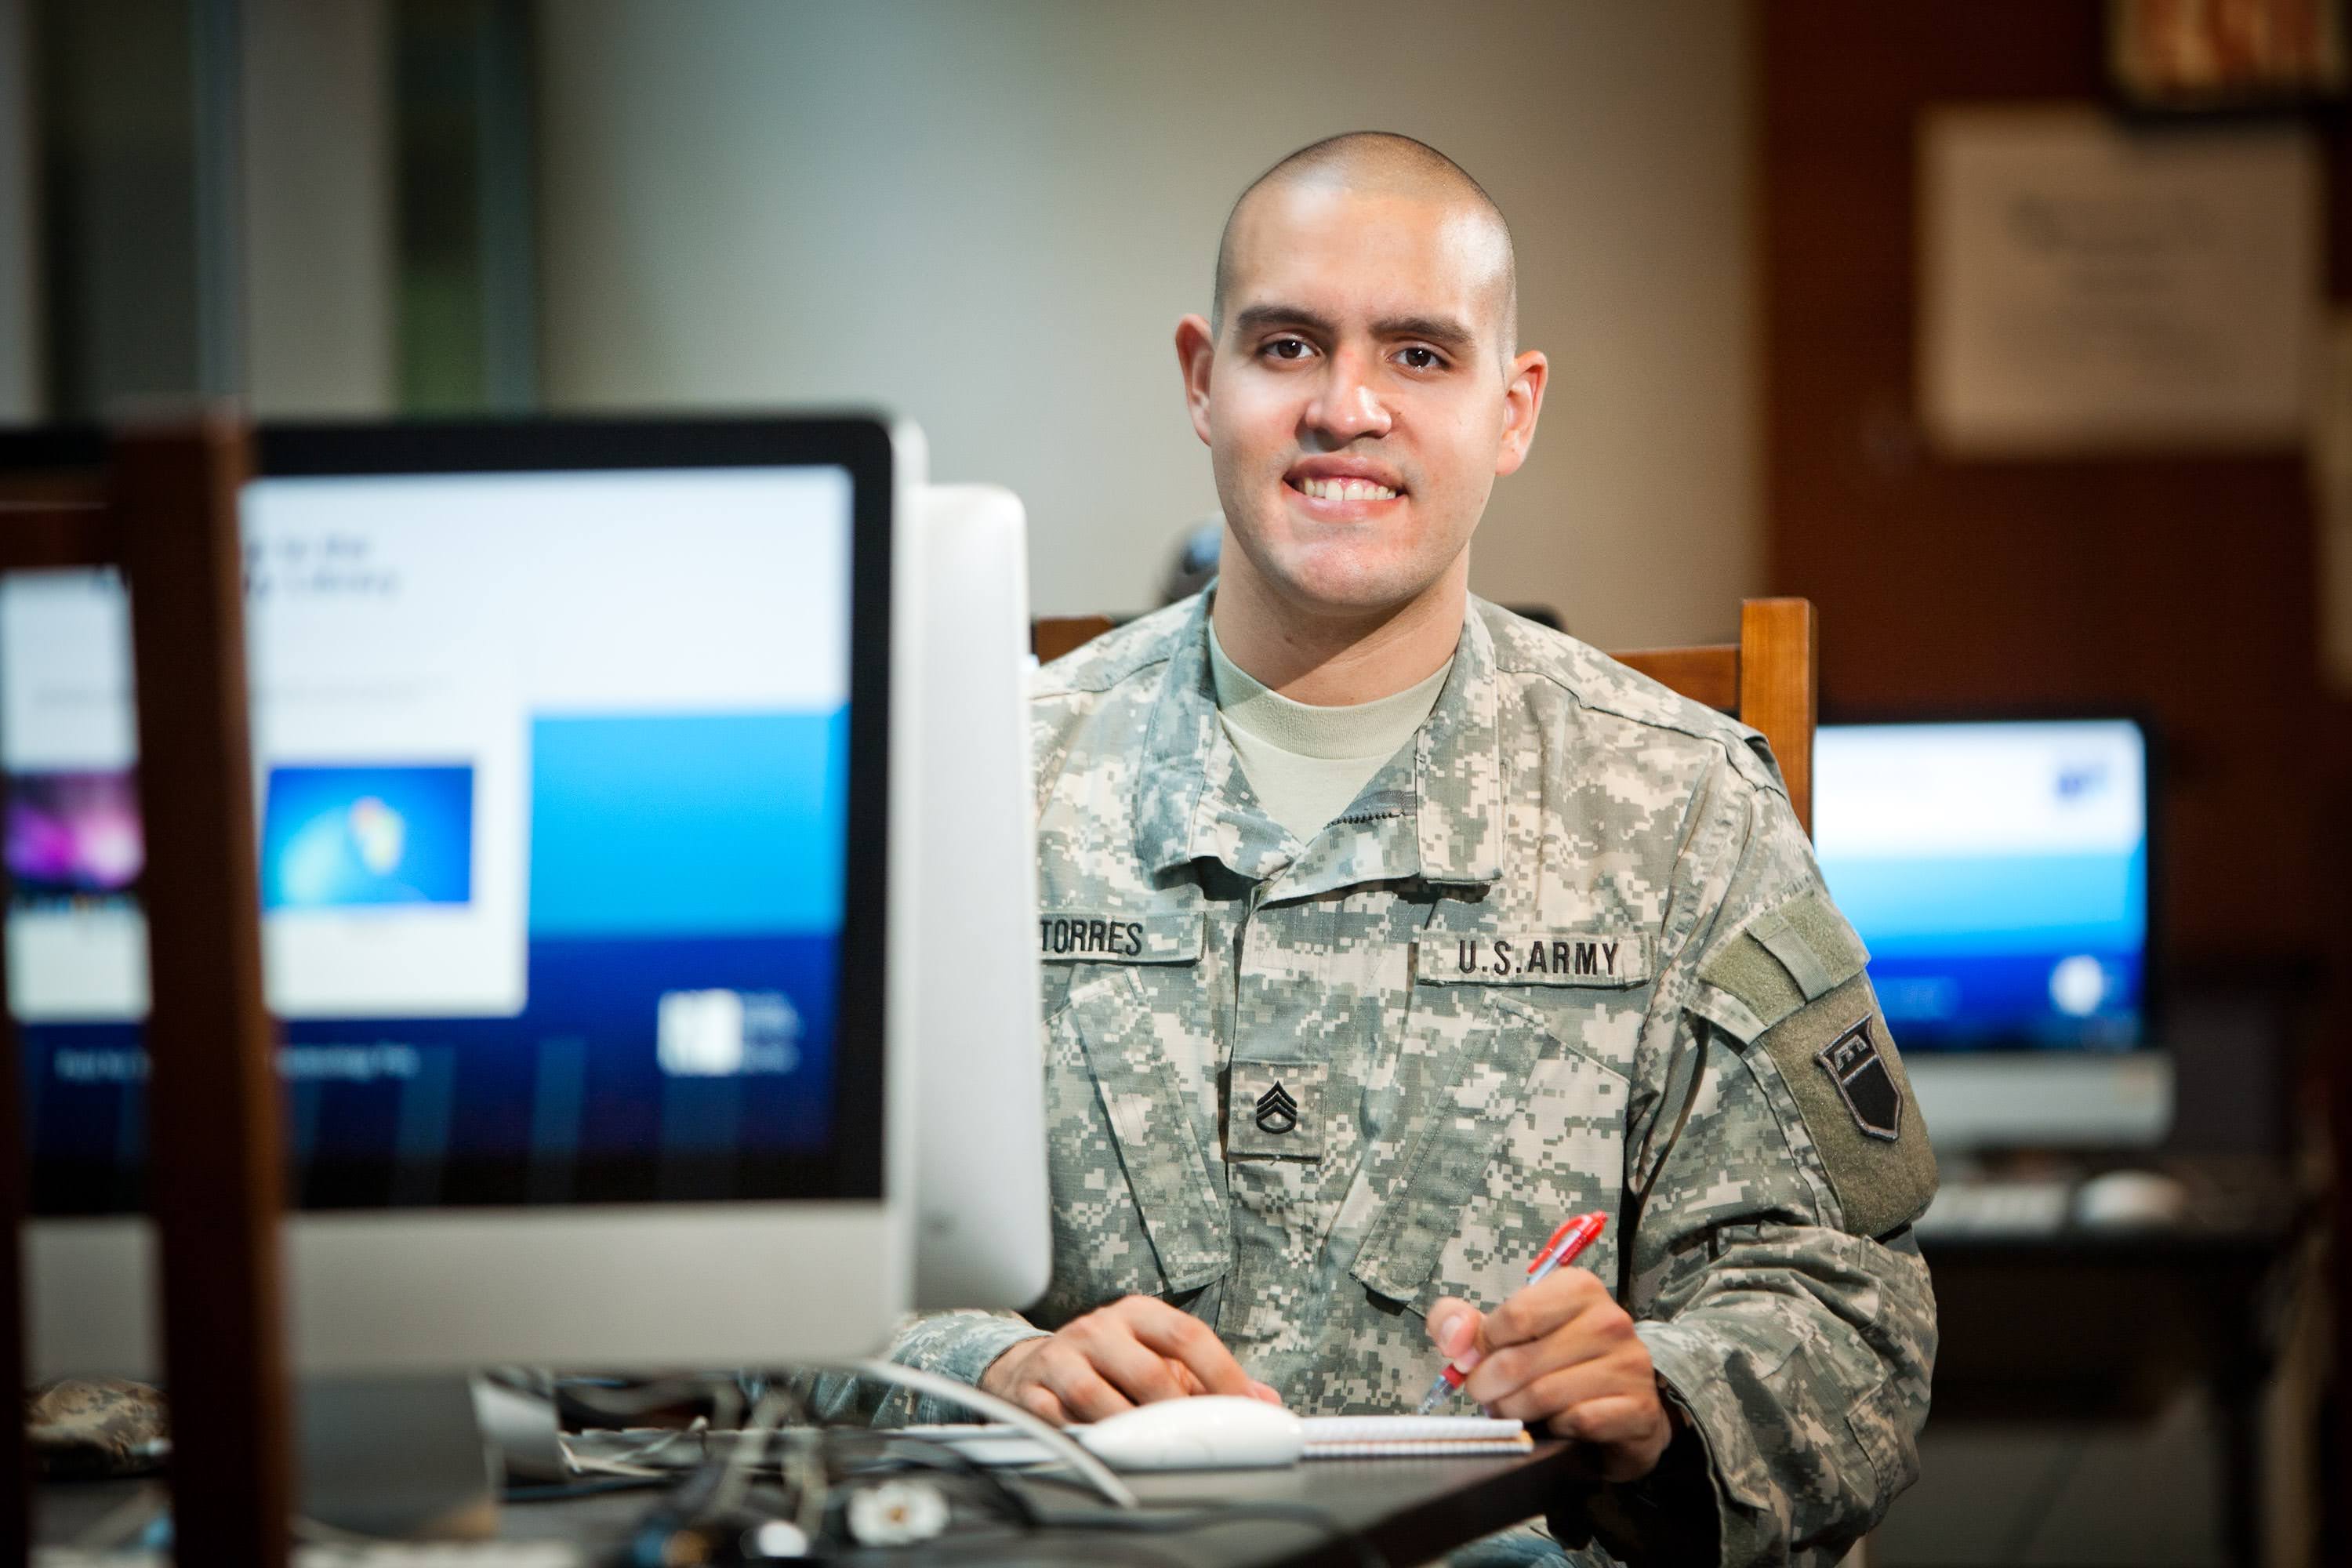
(1333,660)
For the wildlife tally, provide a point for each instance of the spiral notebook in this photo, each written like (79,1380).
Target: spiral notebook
(1325,1438)
(1402,1436)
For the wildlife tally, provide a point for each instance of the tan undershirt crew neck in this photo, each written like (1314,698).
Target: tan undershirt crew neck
(1307,763)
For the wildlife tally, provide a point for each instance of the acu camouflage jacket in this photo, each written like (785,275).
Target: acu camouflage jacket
(1568,951)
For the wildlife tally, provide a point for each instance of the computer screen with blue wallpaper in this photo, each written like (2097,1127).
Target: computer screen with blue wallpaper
(1998,874)
(552,788)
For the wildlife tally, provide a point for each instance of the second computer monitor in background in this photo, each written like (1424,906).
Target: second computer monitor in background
(2000,873)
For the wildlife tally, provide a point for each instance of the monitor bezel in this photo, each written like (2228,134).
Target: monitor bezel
(2155,990)
(851,1166)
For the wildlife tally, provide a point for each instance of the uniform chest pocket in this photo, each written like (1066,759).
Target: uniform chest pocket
(1123,1153)
(1520,1133)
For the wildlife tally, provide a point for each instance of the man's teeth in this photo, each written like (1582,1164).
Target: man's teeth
(1346,490)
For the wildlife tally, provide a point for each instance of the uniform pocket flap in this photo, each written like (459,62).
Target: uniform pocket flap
(1111,936)
(1143,1098)
(1790,954)
(1430,1189)
(1533,956)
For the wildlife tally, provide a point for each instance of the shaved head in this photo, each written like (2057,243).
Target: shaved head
(1378,163)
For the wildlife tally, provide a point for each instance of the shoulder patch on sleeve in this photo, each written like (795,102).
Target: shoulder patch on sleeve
(1839,1061)
(1791,955)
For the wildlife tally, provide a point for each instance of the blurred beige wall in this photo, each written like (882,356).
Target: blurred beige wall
(316,168)
(989,214)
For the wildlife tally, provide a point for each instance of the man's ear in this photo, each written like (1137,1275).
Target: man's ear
(1522,402)
(1196,351)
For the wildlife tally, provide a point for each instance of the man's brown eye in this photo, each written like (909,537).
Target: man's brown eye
(1421,359)
(1287,348)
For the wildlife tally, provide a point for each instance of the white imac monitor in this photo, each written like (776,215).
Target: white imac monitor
(573,743)
(985,1227)
(1999,873)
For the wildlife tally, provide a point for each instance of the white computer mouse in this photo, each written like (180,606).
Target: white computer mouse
(2129,1200)
(1207,1432)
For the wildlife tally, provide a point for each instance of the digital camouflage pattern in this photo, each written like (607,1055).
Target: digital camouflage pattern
(1487,988)
(82,1426)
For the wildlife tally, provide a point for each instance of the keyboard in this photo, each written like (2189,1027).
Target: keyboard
(2032,1208)
(374,1554)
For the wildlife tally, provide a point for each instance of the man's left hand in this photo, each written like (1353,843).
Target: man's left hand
(1561,1355)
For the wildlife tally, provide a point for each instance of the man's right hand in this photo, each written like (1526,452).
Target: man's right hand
(1134,1351)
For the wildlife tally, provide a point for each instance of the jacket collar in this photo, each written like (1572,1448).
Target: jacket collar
(1191,803)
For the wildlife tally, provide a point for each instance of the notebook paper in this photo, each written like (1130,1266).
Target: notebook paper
(1401,1436)
(1326,1437)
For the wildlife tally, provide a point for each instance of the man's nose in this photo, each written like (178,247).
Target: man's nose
(1347,406)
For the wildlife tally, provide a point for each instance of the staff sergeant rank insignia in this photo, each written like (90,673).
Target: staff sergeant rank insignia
(1276,1112)
(1852,1062)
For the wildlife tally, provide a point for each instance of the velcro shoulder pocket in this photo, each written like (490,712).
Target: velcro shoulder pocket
(1790,988)
(1789,956)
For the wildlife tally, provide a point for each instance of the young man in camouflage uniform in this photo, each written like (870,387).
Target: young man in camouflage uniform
(1336,1037)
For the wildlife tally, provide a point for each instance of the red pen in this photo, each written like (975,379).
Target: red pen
(1573,1237)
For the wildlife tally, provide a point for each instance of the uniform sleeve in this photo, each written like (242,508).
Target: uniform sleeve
(1778,1163)
(961,1345)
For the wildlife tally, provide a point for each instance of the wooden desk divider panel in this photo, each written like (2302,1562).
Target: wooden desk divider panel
(215,1177)
(1769,677)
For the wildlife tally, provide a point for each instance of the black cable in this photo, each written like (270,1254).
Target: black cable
(561,1491)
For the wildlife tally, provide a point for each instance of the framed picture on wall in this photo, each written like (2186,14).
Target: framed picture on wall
(2226,56)
(2087,285)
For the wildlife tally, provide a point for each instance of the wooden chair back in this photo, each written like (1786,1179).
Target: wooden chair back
(1769,679)
(162,508)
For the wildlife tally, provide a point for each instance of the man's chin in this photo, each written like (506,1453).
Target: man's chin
(1354,589)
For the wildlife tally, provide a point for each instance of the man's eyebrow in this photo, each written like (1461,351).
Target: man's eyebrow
(1446,332)
(1258,317)
(1441,331)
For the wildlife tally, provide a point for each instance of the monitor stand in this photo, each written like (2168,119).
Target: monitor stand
(404,1457)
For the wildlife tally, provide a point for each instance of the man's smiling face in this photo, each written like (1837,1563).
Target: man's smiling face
(1357,405)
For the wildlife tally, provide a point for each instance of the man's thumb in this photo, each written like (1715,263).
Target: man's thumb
(1453,1328)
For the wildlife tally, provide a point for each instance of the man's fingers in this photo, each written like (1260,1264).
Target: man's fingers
(1186,1384)
(1081,1389)
(1453,1325)
(1541,1307)
(1497,1376)
(1539,1398)
(1132,1367)
(1183,1337)
(1040,1402)
(1264,1391)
